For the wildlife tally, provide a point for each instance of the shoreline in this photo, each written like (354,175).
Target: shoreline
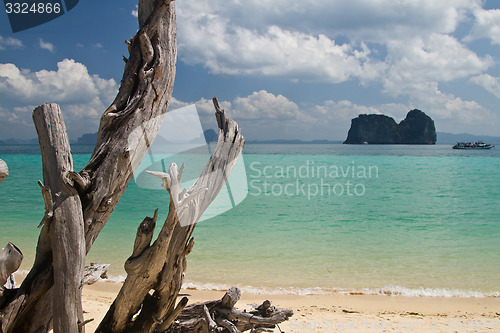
(388,290)
(348,313)
(382,291)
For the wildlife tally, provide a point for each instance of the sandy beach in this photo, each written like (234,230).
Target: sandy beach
(345,313)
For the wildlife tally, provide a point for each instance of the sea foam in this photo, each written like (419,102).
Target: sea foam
(385,291)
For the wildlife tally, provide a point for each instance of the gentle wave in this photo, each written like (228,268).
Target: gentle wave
(257,290)
(384,291)
(428,292)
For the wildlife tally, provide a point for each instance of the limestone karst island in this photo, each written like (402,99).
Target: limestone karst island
(417,128)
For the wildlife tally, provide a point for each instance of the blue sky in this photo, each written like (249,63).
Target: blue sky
(283,69)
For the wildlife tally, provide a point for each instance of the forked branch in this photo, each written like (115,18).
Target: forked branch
(160,266)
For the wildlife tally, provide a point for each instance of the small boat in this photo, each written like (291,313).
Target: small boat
(473,145)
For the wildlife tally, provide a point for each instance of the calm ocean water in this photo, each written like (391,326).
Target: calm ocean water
(407,219)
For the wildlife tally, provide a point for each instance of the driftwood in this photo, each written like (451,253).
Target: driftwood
(11,257)
(4,170)
(95,272)
(142,99)
(222,316)
(78,204)
(161,265)
(10,260)
(11,282)
(65,223)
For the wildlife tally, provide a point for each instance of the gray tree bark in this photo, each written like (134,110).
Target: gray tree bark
(65,225)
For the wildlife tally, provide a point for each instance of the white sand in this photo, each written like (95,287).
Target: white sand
(345,313)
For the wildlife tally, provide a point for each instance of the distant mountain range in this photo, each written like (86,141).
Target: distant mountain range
(210,136)
(279,141)
(87,139)
(12,142)
(449,138)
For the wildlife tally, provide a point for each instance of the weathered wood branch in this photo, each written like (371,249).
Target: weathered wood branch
(202,317)
(66,226)
(131,123)
(4,170)
(143,238)
(95,272)
(172,316)
(160,266)
(10,261)
(203,192)
(11,256)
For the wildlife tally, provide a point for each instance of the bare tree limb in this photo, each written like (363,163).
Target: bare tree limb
(10,261)
(172,316)
(66,225)
(131,123)
(160,266)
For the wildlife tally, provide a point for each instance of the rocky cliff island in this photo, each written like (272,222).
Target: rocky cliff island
(417,128)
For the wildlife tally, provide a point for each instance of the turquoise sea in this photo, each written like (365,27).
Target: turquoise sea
(418,220)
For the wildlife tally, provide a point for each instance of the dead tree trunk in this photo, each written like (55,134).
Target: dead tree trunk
(142,99)
(65,219)
(160,266)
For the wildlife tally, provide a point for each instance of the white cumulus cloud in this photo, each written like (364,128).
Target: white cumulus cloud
(228,49)
(488,82)
(264,115)
(436,58)
(487,25)
(82,96)
(299,39)
(135,12)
